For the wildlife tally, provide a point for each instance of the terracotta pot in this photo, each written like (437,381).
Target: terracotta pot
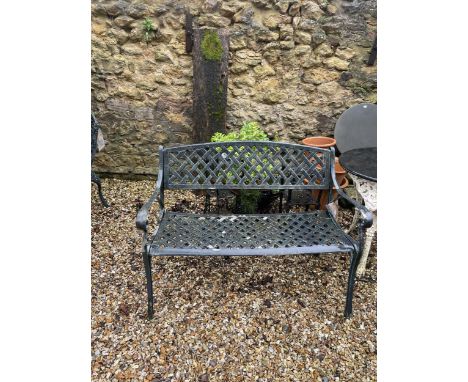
(325,142)
(322,142)
(340,172)
(324,197)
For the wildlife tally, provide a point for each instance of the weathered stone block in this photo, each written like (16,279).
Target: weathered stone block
(332,9)
(173,115)
(270,91)
(294,8)
(131,49)
(136,34)
(286,32)
(266,35)
(324,50)
(161,9)
(307,24)
(301,37)
(273,21)
(236,92)
(287,44)
(163,79)
(119,34)
(238,68)
(310,61)
(146,83)
(311,10)
(230,9)
(98,28)
(248,57)
(210,5)
(100,95)
(244,80)
(319,76)
(213,20)
(116,8)
(181,82)
(264,70)
(165,35)
(165,55)
(330,88)
(107,66)
(245,16)
(144,114)
(125,90)
(138,10)
(282,6)
(345,54)
(318,36)
(263,4)
(301,50)
(336,63)
(123,21)
(334,25)
(144,67)
(237,41)
(271,46)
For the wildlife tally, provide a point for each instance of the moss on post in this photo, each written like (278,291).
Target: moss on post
(211,46)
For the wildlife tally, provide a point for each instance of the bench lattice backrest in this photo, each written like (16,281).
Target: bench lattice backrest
(246,165)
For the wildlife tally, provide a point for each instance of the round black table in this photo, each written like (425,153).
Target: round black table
(361,162)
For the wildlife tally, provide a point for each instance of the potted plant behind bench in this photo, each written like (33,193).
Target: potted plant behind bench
(249,201)
(340,172)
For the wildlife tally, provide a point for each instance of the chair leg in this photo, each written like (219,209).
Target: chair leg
(97,180)
(351,279)
(149,283)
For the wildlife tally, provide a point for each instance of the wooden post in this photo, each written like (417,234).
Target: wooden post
(373,53)
(210,69)
(188,32)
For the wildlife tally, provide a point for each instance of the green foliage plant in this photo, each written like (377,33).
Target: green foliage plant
(148,30)
(250,131)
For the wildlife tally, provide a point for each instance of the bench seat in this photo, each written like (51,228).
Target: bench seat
(240,235)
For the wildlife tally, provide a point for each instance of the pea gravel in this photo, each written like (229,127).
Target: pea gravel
(243,319)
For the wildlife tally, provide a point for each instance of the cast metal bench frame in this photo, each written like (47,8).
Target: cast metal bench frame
(248,165)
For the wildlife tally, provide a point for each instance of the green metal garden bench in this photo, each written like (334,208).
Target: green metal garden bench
(247,165)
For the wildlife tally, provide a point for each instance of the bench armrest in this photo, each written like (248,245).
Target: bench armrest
(366,216)
(142,216)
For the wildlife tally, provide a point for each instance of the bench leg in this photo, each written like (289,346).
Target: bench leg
(351,279)
(95,179)
(149,283)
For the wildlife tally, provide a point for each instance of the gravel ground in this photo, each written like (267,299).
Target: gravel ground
(243,319)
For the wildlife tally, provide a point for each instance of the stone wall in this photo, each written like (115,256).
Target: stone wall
(294,66)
